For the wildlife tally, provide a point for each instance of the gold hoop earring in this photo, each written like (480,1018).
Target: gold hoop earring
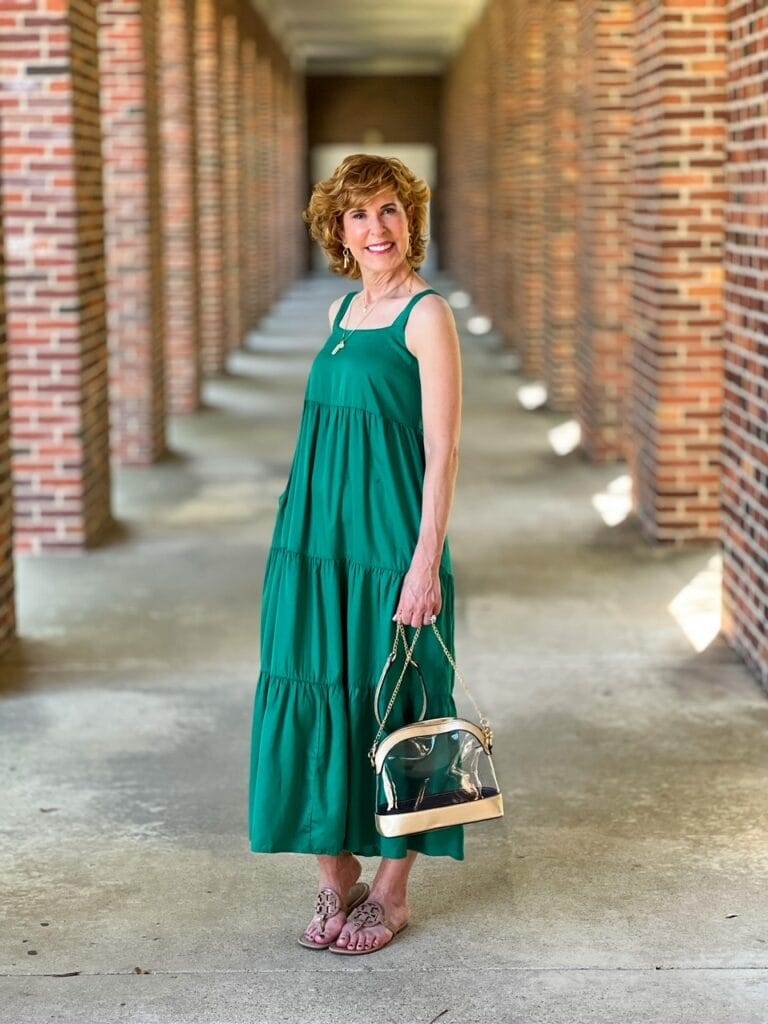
(346,257)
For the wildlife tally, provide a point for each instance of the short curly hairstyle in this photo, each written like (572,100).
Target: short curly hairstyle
(358,179)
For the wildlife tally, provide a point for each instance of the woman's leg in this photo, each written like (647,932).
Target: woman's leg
(340,873)
(390,888)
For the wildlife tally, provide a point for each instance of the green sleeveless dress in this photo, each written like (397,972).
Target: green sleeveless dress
(346,528)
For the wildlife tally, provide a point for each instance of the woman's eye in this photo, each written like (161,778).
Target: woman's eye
(389,209)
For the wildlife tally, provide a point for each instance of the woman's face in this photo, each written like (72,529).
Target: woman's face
(382,220)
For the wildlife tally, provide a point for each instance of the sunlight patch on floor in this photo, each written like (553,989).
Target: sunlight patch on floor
(614,503)
(696,608)
(532,396)
(565,437)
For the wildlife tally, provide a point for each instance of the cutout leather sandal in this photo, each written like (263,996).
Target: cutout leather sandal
(369,913)
(329,903)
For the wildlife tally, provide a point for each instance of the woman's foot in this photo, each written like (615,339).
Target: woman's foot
(370,936)
(339,876)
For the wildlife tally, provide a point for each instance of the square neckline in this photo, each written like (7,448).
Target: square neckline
(387,327)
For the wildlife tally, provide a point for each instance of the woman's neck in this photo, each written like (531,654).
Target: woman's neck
(376,287)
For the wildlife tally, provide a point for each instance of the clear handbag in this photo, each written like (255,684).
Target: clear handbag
(434,772)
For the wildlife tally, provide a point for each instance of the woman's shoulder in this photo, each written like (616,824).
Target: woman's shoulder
(431,305)
(334,308)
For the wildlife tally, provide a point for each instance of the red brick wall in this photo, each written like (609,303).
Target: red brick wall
(209,180)
(133,224)
(679,131)
(179,206)
(745,404)
(55,292)
(529,135)
(502,159)
(561,193)
(482,243)
(7,605)
(465,185)
(250,242)
(231,143)
(602,230)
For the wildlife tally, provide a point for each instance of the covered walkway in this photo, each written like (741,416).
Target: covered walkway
(627,880)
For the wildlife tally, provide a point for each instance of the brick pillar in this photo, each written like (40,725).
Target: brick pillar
(560,188)
(250,242)
(209,185)
(282,196)
(502,161)
(528,177)
(481,198)
(679,129)
(7,596)
(179,207)
(269,176)
(745,404)
(261,196)
(133,221)
(231,136)
(466,122)
(602,339)
(55,292)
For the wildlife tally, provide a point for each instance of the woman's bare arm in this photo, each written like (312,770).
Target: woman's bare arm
(432,337)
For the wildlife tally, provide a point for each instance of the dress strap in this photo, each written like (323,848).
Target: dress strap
(403,315)
(343,308)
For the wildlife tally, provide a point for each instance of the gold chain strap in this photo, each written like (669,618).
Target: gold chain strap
(485,725)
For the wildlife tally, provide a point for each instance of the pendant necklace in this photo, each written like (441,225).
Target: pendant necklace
(346,333)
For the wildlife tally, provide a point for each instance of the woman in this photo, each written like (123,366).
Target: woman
(359,541)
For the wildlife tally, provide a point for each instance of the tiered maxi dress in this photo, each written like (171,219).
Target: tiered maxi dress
(346,528)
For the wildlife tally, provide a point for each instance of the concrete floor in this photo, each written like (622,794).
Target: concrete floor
(627,881)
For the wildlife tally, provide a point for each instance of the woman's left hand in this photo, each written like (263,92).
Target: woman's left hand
(420,596)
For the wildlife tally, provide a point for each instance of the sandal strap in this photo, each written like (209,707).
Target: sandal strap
(368,913)
(327,904)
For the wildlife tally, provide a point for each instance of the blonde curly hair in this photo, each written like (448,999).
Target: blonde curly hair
(358,179)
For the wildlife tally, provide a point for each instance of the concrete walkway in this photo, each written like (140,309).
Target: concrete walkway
(627,881)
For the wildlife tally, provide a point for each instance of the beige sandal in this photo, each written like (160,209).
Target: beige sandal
(369,913)
(329,903)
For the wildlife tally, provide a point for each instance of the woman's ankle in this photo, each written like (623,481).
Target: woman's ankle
(337,871)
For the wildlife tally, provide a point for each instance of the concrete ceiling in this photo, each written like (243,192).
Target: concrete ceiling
(369,37)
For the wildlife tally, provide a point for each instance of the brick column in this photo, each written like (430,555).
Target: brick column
(679,129)
(482,142)
(502,161)
(560,188)
(745,405)
(603,244)
(282,195)
(269,178)
(209,185)
(7,593)
(528,176)
(55,292)
(231,137)
(466,123)
(250,241)
(179,206)
(129,111)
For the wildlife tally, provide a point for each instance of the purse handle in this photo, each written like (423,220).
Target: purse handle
(408,659)
(485,725)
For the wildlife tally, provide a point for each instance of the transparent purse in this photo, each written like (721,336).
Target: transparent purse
(434,772)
